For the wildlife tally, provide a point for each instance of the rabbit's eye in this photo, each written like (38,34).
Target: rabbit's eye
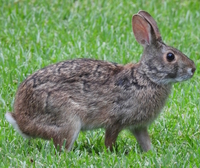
(170,57)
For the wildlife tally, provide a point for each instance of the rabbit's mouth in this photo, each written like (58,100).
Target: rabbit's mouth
(183,78)
(186,76)
(167,80)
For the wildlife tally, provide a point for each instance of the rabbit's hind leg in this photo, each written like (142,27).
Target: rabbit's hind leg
(67,135)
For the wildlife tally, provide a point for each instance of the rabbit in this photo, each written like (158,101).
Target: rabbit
(60,100)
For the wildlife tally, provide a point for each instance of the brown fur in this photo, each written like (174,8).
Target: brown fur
(61,99)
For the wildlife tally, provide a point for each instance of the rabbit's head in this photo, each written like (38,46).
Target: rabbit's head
(161,63)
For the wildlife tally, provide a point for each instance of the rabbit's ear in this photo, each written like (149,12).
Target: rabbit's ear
(152,22)
(141,30)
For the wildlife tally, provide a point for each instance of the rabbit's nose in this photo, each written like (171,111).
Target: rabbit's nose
(193,70)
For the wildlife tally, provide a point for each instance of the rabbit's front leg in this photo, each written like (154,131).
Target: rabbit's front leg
(142,136)
(111,136)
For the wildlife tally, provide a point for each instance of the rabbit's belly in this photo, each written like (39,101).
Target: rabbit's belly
(95,118)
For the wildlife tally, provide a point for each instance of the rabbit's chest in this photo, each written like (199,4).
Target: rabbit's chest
(142,106)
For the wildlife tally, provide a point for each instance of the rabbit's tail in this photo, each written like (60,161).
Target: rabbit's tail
(10,118)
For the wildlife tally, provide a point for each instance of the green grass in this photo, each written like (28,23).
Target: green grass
(34,34)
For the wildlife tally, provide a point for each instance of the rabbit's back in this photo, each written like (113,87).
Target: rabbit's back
(79,71)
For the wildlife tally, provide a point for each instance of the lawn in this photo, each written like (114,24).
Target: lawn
(34,34)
